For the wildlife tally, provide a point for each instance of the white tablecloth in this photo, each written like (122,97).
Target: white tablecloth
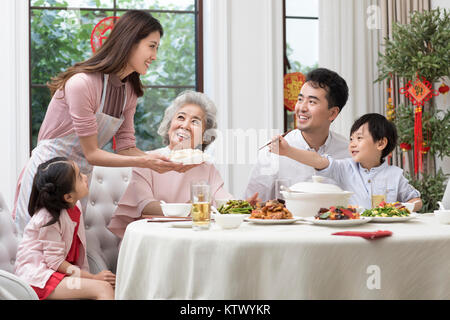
(298,261)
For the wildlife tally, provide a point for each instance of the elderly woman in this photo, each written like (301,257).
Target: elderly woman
(184,125)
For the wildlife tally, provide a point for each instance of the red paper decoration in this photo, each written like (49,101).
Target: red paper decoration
(444,88)
(405,146)
(99,33)
(293,82)
(418,93)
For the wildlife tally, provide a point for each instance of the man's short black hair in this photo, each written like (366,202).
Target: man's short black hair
(379,128)
(334,84)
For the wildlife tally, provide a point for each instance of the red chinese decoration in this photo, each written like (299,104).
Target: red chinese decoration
(444,88)
(293,82)
(98,35)
(100,32)
(405,146)
(418,93)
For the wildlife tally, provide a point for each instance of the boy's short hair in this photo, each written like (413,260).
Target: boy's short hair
(379,128)
(334,84)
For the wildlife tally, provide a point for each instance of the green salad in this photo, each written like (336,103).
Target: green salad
(395,209)
(236,206)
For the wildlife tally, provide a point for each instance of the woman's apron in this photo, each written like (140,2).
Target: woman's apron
(68,146)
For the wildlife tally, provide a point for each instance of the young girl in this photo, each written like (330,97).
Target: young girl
(366,173)
(53,246)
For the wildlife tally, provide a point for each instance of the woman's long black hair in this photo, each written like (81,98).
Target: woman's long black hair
(54,178)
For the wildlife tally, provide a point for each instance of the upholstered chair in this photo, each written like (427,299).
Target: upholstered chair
(11,286)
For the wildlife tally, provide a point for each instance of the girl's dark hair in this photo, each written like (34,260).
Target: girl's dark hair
(113,55)
(334,84)
(54,178)
(379,128)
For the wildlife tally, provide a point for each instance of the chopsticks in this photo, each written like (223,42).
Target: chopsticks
(167,219)
(275,140)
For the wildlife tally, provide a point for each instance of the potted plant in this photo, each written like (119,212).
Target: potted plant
(421,49)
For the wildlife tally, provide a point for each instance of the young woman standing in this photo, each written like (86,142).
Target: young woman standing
(94,100)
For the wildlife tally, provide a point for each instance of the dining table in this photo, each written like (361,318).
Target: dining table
(296,261)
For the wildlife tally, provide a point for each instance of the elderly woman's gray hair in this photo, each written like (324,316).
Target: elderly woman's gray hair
(191,97)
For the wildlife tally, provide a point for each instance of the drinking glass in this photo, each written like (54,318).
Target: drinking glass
(378,191)
(201,205)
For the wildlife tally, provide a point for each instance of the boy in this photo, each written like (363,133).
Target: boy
(366,173)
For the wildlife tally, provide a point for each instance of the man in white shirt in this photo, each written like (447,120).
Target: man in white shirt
(322,97)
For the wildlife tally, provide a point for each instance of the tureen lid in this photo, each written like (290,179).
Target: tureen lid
(316,186)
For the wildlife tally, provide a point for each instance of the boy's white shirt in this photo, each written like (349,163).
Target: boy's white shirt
(384,179)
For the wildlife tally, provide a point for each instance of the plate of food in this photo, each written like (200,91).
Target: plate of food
(189,156)
(271,212)
(236,207)
(338,216)
(389,212)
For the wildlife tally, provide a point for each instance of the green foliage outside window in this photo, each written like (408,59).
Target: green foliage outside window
(60,38)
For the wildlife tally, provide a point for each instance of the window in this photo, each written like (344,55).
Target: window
(60,32)
(301,25)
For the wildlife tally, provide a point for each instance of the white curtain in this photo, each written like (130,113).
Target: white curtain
(14,122)
(349,37)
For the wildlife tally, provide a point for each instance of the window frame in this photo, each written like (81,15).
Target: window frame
(285,59)
(198,12)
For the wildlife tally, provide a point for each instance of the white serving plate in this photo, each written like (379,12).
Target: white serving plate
(393,219)
(338,223)
(272,221)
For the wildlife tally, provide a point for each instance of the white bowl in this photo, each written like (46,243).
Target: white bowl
(176,209)
(220,202)
(443,216)
(308,204)
(229,220)
(409,206)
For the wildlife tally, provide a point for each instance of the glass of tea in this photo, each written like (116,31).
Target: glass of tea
(201,205)
(378,191)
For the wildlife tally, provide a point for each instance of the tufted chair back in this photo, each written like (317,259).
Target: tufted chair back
(106,188)
(11,287)
(9,238)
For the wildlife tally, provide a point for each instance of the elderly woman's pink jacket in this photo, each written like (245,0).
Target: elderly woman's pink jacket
(147,185)
(43,249)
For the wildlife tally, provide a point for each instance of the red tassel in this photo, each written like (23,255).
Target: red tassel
(418,140)
(114,143)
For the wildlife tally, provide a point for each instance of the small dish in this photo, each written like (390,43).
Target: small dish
(185,224)
(229,221)
(443,216)
(176,209)
(409,206)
